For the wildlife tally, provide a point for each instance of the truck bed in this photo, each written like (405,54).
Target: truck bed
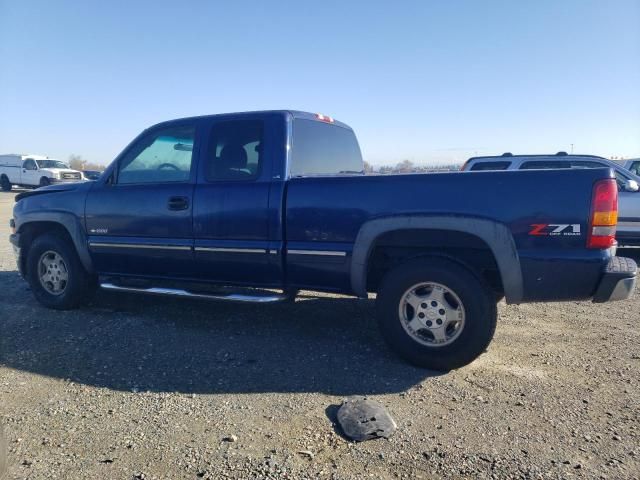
(327,213)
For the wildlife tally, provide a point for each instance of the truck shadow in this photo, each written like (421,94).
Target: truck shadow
(142,343)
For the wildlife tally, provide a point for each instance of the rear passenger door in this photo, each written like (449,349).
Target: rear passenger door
(232,212)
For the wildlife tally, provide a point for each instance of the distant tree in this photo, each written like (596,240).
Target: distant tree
(368,168)
(405,166)
(78,163)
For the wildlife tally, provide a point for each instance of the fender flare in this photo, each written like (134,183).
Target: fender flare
(496,235)
(70,223)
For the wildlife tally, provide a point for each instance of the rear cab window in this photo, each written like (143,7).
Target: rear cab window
(320,148)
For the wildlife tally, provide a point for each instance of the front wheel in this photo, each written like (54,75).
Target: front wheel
(56,276)
(436,314)
(5,184)
(44,182)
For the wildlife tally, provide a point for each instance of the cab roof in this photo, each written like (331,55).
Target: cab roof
(291,113)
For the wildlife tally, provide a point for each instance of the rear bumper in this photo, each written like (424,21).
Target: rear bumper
(618,281)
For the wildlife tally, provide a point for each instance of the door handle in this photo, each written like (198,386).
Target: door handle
(178,203)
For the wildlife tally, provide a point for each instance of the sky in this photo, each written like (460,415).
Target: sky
(428,81)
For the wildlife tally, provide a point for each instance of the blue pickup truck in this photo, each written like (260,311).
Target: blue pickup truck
(253,207)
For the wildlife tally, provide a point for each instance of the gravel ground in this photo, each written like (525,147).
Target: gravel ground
(146,387)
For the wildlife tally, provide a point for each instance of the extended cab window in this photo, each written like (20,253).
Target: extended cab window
(235,150)
(490,166)
(161,156)
(324,149)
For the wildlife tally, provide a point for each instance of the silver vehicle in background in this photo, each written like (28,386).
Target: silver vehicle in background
(628,231)
(632,164)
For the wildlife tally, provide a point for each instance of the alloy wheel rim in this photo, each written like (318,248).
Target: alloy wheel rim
(432,314)
(53,272)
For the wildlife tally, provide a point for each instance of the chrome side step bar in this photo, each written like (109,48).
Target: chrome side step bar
(176,292)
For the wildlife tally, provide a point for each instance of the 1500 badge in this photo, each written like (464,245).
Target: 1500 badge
(552,229)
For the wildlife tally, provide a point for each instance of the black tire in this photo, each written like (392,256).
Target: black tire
(475,295)
(44,182)
(5,184)
(79,285)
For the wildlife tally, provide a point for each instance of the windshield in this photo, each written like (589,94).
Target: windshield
(51,164)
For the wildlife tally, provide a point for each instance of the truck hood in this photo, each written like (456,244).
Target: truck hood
(60,187)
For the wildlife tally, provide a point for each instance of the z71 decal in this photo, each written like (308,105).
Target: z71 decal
(553,229)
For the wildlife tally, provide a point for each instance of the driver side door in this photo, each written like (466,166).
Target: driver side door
(29,174)
(139,218)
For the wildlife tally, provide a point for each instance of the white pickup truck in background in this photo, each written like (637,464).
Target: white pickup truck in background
(34,171)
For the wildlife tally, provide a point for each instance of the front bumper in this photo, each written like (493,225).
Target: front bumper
(618,281)
(55,181)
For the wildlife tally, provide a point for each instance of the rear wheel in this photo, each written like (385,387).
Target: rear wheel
(436,313)
(5,184)
(55,274)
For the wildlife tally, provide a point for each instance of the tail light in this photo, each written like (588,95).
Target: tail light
(604,214)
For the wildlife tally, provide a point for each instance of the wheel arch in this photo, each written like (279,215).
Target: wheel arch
(35,224)
(496,236)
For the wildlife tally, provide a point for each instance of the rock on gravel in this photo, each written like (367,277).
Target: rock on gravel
(363,419)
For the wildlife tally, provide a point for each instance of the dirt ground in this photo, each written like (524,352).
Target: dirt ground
(146,387)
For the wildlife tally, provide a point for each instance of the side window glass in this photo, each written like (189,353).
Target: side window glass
(586,164)
(162,156)
(235,150)
(621,180)
(476,167)
(635,168)
(29,164)
(544,165)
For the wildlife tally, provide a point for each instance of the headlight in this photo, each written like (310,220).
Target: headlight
(56,175)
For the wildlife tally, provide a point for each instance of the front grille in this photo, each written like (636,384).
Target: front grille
(71,176)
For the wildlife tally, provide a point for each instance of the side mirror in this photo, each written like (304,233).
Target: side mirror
(631,186)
